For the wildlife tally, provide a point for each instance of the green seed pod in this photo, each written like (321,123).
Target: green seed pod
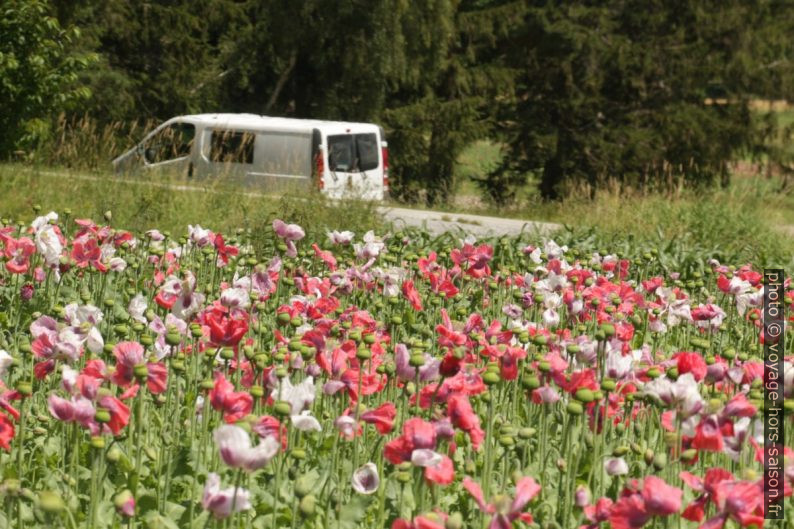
(257,391)
(608,385)
(282,408)
(689,455)
(298,453)
(50,501)
(649,456)
(636,448)
(620,451)
(574,408)
(454,521)
(530,382)
(507,441)
(281,372)
(584,395)
(113,455)
(108,348)
(294,345)
(369,339)
(97,443)
(527,433)
(307,505)
(303,486)
(672,373)
(207,384)
(24,388)
(404,477)
(363,353)
(653,373)
(660,461)
(141,371)
(544,366)
(196,332)
(490,378)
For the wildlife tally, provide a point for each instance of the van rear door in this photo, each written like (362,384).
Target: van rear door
(354,166)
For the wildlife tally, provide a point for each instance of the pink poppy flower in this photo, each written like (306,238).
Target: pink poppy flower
(290,233)
(236,451)
(223,502)
(504,511)
(18,252)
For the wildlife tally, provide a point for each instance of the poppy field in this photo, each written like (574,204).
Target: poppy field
(343,380)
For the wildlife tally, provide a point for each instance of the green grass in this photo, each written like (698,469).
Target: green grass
(139,206)
(748,222)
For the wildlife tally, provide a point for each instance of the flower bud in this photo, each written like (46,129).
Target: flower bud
(50,501)
(582,496)
(125,503)
(454,521)
(307,505)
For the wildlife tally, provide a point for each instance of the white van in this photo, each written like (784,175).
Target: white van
(269,154)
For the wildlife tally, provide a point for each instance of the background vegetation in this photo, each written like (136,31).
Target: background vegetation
(579,95)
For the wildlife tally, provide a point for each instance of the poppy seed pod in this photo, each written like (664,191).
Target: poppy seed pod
(50,502)
(308,505)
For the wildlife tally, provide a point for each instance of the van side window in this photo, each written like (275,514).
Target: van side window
(367,151)
(174,141)
(232,146)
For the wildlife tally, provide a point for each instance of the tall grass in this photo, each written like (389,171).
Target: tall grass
(172,203)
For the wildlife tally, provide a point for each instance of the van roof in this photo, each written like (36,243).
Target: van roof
(257,122)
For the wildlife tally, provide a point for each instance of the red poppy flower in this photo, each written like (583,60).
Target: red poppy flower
(119,413)
(462,416)
(6,432)
(233,405)
(382,418)
(412,295)
(691,363)
(695,511)
(86,252)
(225,329)
(224,252)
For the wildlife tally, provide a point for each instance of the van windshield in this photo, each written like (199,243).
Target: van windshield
(352,152)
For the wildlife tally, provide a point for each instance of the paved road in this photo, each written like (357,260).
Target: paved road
(437,222)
